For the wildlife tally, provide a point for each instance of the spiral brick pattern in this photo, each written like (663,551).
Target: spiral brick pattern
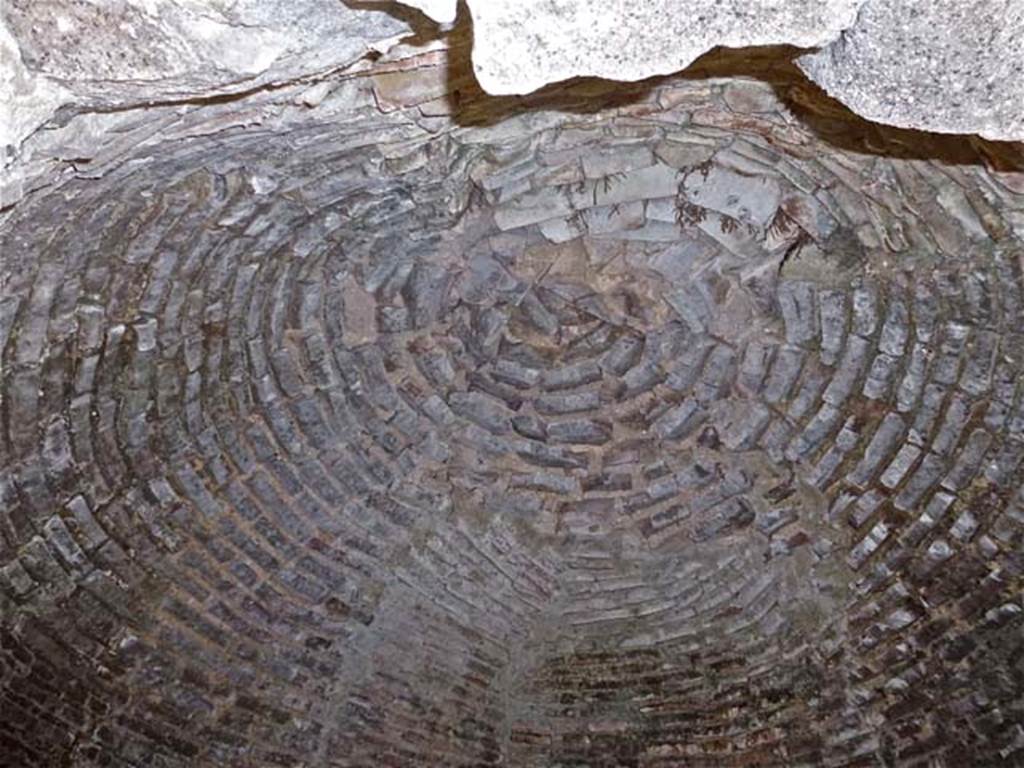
(686,431)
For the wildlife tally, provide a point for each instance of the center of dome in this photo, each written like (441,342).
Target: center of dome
(603,384)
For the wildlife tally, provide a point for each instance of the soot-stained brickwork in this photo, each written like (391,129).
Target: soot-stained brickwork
(676,424)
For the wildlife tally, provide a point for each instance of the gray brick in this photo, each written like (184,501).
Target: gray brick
(964,527)
(808,396)
(687,369)
(882,445)
(550,456)
(913,378)
(946,366)
(976,378)
(680,421)
(482,410)
(90,532)
(623,355)
(582,431)
(784,373)
(927,413)
(924,478)
(900,465)
(569,376)
(865,310)
(880,377)
(691,305)
(832,321)
(814,434)
(925,311)
(955,419)
(568,402)
(16,579)
(868,545)
(718,374)
(754,367)
(850,369)
(968,461)
(511,372)
(530,426)
(58,536)
(865,508)
(1001,467)
(796,300)
(896,329)
(643,378)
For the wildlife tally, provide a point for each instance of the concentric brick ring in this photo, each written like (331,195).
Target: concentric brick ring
(671,436)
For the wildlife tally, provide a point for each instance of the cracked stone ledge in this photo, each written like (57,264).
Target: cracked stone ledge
(945,66)
(958,69)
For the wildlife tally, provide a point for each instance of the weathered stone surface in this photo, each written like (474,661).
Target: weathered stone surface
(943,66)
(27,99)
(520,47)
(879,57)
(98,56)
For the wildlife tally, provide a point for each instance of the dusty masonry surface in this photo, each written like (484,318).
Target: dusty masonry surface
(354,416)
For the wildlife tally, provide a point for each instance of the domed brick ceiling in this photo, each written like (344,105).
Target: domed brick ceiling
(666,424)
